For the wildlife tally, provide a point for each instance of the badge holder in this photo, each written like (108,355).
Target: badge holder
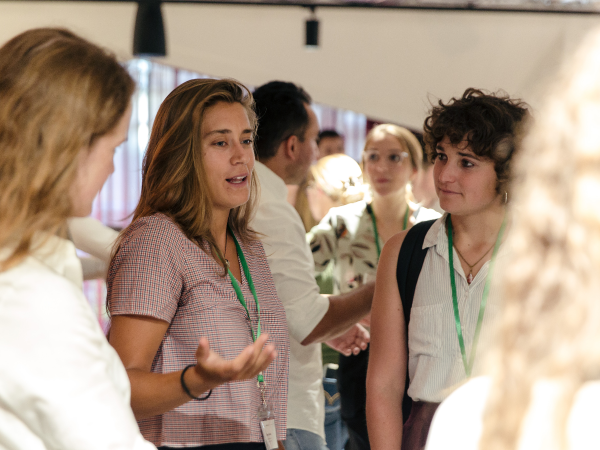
(266,415)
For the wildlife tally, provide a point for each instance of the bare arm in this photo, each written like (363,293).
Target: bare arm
(345,310)
(137,338)
(388,354)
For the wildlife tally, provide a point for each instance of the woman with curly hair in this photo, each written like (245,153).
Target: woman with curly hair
(471,140)
(351,236)
(543,389)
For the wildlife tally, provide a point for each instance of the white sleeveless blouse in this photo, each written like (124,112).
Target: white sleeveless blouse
(435,364)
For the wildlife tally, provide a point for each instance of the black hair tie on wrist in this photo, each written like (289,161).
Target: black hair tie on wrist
(185,388)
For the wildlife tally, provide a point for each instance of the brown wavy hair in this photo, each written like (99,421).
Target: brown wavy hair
(173,171)
(551,308)
(58,93)
(488,122)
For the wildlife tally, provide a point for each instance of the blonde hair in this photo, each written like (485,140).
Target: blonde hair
(173,173)
(408,141)
(549,326)
(340,177)
(58,93)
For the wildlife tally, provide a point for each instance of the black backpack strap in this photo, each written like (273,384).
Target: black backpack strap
(410,261)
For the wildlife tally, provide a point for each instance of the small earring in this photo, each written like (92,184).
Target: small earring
(505,197)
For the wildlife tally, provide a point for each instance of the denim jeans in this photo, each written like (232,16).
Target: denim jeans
(303,440)
(336,433)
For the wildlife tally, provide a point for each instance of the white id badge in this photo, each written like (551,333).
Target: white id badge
(269,434)
(267,423)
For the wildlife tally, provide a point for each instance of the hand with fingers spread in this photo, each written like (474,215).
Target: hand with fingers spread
(352,341)
(214,370)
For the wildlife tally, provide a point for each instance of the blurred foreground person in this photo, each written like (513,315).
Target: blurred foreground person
(543,391)
(64,108)
(189,271)
(439,289)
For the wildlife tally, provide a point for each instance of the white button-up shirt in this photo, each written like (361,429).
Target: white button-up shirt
(292,265)
(62,386)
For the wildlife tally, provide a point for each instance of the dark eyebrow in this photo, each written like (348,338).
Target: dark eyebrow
(439,147)
(469,155)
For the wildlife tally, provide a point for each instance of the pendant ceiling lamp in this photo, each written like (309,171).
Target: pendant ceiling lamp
(312,30)
(149,34)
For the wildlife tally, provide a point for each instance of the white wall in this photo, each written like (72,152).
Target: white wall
(383,63)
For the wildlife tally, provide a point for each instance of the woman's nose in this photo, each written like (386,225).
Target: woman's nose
(241,154)
(446,173)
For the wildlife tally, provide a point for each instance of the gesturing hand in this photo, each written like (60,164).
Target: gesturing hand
(214,370)
(352,341)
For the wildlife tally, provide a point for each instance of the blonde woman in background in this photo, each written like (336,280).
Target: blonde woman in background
(544,387)
(64,108)
(352,235)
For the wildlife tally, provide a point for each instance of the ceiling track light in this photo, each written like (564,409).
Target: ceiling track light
(149,34)
(312,30)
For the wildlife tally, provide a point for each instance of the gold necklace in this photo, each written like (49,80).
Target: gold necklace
(470,276)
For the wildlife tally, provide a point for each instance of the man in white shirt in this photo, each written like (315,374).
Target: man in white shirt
(286,147)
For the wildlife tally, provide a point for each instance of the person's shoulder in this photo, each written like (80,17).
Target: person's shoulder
(349,210)
(582,429)
(155,229)
(424,214)
(458,421)
(587,399)
(48,293)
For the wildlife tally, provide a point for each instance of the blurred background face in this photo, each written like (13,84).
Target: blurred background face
(424,188)
(95,165)
(331,145)
(387,164)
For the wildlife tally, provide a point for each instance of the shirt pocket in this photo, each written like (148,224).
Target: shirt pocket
(425,331)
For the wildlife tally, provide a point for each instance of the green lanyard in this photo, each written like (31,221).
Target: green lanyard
(486,289)
(370,210)
(240,295)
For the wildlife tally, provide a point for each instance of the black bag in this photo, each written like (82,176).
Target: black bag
(410,261)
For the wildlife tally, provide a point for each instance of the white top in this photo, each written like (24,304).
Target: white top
(458,422)
(292,266)
(62,386)
(346,237)
(95,238)
(435,365)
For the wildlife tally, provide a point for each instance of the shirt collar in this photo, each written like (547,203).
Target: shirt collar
(271,183)
(437,236)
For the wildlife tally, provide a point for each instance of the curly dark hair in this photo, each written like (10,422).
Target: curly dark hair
(488,122)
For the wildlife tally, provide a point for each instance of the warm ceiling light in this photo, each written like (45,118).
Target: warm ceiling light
(149,34)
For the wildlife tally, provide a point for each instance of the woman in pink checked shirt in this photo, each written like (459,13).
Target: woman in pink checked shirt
(189,271)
